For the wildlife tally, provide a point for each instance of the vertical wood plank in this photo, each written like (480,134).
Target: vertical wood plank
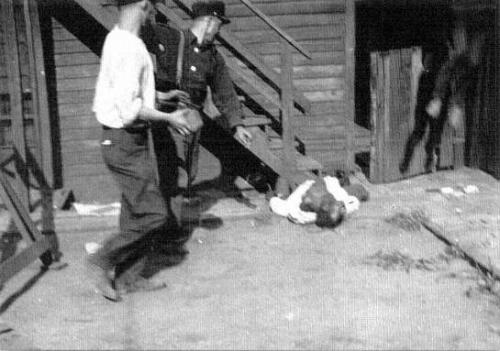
(287,108)
(350,44)
(44,127)
(496,80)
(374,104)
(44,166)
(386,131)
(15,88)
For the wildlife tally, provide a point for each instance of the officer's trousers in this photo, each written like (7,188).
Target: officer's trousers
(143,216)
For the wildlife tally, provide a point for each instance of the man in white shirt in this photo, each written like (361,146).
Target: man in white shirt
(125,104)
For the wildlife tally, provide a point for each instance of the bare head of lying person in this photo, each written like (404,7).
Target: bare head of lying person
(330,213)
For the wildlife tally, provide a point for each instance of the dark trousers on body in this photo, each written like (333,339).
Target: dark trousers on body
(174,151)
(144,216)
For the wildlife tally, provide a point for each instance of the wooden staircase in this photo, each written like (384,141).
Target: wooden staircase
(261,109)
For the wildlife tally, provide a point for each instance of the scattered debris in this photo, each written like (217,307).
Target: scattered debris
(112,209)
(410,222)
(92,247)
(447,191)
(471,189)
(457,191)
(396,260)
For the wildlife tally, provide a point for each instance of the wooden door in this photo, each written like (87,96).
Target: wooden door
(396,117)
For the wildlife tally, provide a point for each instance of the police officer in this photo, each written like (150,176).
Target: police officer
(187,64)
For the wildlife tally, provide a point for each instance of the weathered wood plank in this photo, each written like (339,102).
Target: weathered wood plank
(79,134)
(314,45)
(283,34)
(76,59)
(305,33)
(76,84)
(79,71)
(40,102)
(286,21)
(16,263)
(15,89)
(288,7)
(350,44)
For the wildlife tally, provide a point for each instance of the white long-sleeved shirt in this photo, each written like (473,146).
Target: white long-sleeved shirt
(290,207)
(126,80)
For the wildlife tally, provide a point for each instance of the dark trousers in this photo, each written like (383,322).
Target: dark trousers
(174,151)
(143,217)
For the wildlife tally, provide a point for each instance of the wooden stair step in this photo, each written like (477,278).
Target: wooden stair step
(307,163)
(255,121)
(276,143)
(304,162)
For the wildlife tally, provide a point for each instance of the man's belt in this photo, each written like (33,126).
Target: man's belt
(138,127)
(176,105)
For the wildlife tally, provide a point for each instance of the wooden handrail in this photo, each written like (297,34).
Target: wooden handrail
(276,28)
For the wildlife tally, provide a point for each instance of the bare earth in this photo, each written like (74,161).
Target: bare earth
(266,283)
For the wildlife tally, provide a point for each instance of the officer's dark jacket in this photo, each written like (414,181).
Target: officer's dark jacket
(202,67)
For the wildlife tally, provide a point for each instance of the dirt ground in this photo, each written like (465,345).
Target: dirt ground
(265,283)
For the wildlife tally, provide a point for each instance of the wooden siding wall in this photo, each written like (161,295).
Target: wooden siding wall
(76,72)
(318,25)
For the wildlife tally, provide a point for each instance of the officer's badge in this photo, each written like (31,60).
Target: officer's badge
(161,47)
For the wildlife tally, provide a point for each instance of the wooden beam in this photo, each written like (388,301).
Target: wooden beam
(43,166)
(19,214)
(15,264)
(276,28)
(350,44)
(40,90)
(16,100)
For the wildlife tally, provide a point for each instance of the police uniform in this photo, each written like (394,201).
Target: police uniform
(202,67)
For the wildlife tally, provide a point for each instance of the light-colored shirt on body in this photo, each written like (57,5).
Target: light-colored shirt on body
(290,207)
(126,80)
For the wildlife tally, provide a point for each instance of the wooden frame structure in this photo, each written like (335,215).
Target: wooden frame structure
(41,244)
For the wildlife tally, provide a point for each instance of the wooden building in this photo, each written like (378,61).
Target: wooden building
(332,121)
(319,26)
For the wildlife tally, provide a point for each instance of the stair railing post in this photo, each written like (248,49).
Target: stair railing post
(286,64)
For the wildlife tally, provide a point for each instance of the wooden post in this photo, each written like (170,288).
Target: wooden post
(16,100)
(286,109)
(43,127)
(350,44)
(496,168)
(41,94)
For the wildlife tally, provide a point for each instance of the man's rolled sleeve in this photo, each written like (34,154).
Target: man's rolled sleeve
(223,94)
(127,87)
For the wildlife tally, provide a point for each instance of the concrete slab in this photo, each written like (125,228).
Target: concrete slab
(265,283)
(469,221)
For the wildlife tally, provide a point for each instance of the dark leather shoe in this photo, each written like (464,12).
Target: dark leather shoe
(102,282)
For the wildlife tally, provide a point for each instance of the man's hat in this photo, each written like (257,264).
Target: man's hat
(210,8)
